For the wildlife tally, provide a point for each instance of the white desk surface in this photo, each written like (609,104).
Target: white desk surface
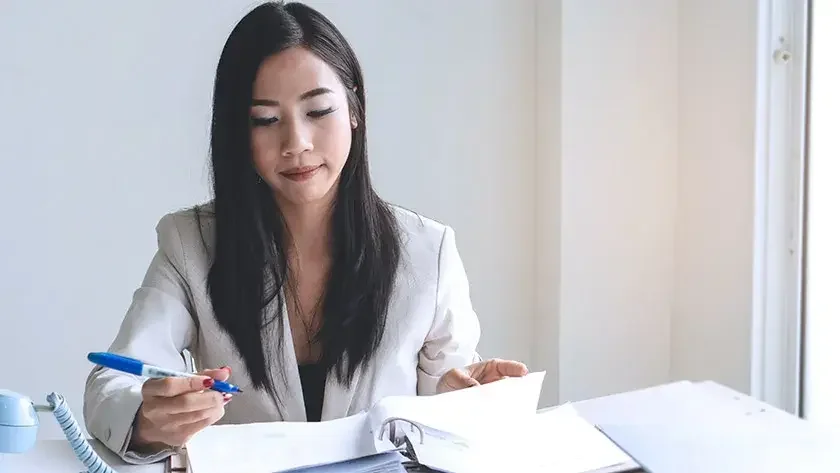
(680,403)
(56,456)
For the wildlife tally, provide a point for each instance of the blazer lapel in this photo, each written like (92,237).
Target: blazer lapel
(337,397)
(285,375)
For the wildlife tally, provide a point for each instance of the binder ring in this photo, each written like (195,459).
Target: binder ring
(389,422)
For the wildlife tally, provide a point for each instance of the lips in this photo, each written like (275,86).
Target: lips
(301,173)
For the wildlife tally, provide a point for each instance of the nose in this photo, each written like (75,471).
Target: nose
(297,139)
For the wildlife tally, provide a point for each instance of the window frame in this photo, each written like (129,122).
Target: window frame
(776,376)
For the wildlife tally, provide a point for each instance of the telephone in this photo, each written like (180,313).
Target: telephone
(19,428)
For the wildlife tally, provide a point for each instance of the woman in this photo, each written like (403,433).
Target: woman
(317,297)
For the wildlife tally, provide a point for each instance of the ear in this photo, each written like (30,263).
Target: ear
(354,123)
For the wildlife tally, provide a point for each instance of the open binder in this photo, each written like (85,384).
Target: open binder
(457,431)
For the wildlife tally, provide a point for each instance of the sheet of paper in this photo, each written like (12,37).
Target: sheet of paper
(562,441)
(279,446)
(469,413)
(468,430)
(558,440)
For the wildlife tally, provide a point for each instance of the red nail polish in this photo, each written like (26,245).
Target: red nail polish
(208,383)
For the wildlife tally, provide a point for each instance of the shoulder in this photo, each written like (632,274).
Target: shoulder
(187,233)
(419,232)
(428,245)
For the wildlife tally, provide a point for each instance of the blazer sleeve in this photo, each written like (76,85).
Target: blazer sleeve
(453,338)
(156,328)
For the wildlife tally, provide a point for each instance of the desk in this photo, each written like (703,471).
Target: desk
(56,456)
(677,427)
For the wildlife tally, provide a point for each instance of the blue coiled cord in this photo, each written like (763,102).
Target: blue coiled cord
(81,447)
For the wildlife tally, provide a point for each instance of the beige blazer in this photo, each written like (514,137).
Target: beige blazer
(431,328)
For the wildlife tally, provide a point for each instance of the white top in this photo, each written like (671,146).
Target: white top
(431,328)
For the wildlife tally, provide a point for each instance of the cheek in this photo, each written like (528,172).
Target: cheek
(333,143)
(264,151)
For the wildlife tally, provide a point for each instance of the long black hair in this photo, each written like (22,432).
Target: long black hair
(250,265)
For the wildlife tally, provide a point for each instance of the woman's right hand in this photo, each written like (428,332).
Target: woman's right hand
(175,409)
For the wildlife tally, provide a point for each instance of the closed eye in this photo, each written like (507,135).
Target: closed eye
(320,113)
(263,121)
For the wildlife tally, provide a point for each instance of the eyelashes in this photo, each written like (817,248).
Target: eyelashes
(266,121)
(320,113)
(260,121)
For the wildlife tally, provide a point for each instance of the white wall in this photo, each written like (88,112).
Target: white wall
(712,319)
(104,128)
(646,123)
(614,115)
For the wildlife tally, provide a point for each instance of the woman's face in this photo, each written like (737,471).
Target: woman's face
(300,126)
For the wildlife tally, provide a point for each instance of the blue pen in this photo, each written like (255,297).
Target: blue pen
(137,367)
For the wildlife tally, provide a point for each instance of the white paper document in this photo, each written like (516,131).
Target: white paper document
(561,441)
(458,430)
(556,441)
(470,430)
(279,446)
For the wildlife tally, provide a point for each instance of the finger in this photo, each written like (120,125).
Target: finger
(495,369)
(458,379)
(190,417)
(191,402)
(511,368)
(186,432)
(171,387)
(220,374)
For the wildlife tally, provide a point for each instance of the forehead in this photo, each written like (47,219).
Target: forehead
(289,73)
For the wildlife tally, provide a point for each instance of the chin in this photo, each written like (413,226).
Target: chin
(304,196)
(313,191)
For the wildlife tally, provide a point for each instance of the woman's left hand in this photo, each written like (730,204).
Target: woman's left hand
(479,373)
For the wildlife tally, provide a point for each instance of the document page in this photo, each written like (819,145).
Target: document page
(561,441)
(467,430)
(468,413)
(272,447)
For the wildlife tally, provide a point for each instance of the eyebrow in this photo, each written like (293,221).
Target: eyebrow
(306,95)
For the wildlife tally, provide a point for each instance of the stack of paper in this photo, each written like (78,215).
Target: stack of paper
(390,462)
(272,447)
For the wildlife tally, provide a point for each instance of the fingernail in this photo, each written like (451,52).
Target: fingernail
(226,368)
(227,398)
(208,383)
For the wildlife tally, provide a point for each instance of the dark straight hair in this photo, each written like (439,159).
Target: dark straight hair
(250,267)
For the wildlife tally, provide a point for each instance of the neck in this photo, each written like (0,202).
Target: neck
(308,229)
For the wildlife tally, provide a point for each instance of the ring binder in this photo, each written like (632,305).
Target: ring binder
(439,431)
(390,421)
